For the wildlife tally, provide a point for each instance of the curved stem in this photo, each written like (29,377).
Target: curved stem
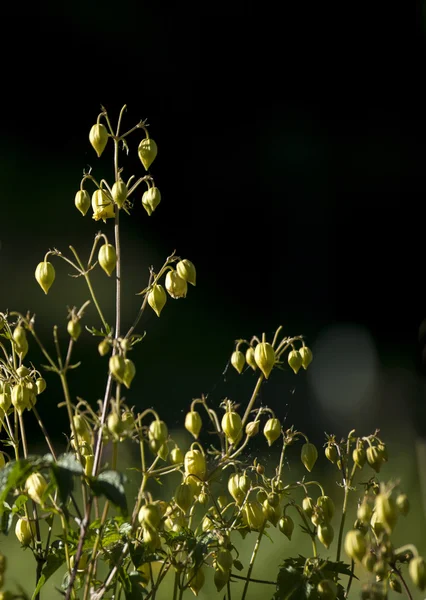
(252,399)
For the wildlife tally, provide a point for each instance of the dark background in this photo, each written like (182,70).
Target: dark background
(292,144)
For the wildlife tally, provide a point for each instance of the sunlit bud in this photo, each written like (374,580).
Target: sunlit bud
(223,560)
(359,457)
(417,571)
(260,469)
(176,456)
(196,580)
(394,584)
(22,371)
(364,512)
(383,452)
(306,355)
(403,504)
(127,421)
(104,347)
(327,506)
(271,513)
(184,496)
(117,367)
(308,506)
(195,463)
(119,193)
(114,425)
(25,531)
(147,152)
(250,359)
(309,456)
(325,534)
(125,344)
(98,137)
(20,339)
(157,298)
(186,270)
(272,430)
(74,329)
(35,486)
(163,451)
(151,199)
(373,458)
(202,498)
(45,275)
(331,453)
(252,428)
(158,431)
(175,285)
(253,515)
(234,489)
(295,360)
(40,385)
(221,578)
(151,538)
(286,526)
(82,201)
(386,511)
(264,356)
(193,423)
(102,206)
(355,545)
(376,524)
(20,397)
(232,426)
(82,428)
(238,361)
(107,258)
(129,372)
(327,589)
(149,516)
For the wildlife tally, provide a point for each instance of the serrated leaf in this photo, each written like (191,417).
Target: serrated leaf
(69,461)
(110,485)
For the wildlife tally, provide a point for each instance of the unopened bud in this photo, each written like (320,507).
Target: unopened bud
(102,206)
(157,298)
(295,360)
(195,463)
(176,456)
(147,152)
(306,355)
(253,515)
(272,430)
(308,506)
(74,329)
(359,457)
(129,372)
(117,367)
(193,423)
(331,453)
(355,545)
(158,431)
(151,199)
(98,137)
(175,285)
(104,347)
(403,504)
(45,275)
(35,486)
(20,397)
(264,356)
(327,506)
(373,458)
(386,511)
(309,456)
(417,570)
(119,193)
(252,428)
(325,533)
(364,512)
(250,359)
(20,339)
(184,496)
(286,526)
(232,426)
(82,201)
(238,361)
(25,531)
(149,516)
(107,258)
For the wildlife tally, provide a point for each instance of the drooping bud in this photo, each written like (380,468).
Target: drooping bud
(295,360)
(102,206)
(271,513)
(235,490)
(175,285)
(403,504)
(82,201)
(327,506)
(114,425)
(157,298)
(35,486)
(250,359)
(272,430)
(309,456)
(149,516)
(355,545)
(327,589)
(394,585)
(386,511)
(308,506)
(238,361)
(325,533)
(186,270)
(22,371)
(151,199)
(107,258)
(184,496)
(364,512)
(147,152)
(104,347)
(163,451)
(252,428)
(232,426)
(264,356)
(359,457)
(5,400)
(45,275)
(74,328)
(119,193)
(20,397)
(286,526)
(129,372)
(25,531)
(117,367)
(331,453)
(373,458)
(417,571)
(176,456)
(82,428)
(253,515)
(158,432)
(98,137)
(306,355)
(193,423)
(195,463)
(20,339)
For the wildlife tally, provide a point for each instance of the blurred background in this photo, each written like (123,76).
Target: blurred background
(291,168)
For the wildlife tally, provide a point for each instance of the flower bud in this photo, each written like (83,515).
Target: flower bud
(309,456)
(325,534)
(117,367)
(175,285)
(394,585)
(149,516)
(195,463)
(221,578)
(151,538)
(252,428)
(235,490)
(20,339)
(158,431)
(25,531)
(327,506)
(129,372)
(157,298)
(272,430)
(74,329)
(184,496)
(331,453)
(5,401)
(355,545)
(88,464)
(107,258)
(196,579)
(417,571)
(295,360)
(306,355)
(104,347)
(98,137)
(253,515)
(238,361)
(286,526)
(20,397)
(151,199)
(373,458)
(22,371)
(102,206)
(114,425)
(232,426)
(250,359)
(193,423)
(223,560)
(45,275)
(359,457)
(186,270)
(202,498)
(35,486)
(147,152)
(82,201)
(364,512)
(383,452)
(386,511)
(271,513)
(119,193)
(264,356)
(403,504)
(163,451)
(176,456)
(308,506)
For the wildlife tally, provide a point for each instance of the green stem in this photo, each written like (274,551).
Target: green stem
(253,558)
(91,290)
(252,399)
(344,509)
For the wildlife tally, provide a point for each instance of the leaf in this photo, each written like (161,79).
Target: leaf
(63,474)
(6,520)
(110,485)
(55,559)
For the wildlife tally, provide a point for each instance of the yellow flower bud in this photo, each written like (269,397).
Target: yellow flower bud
(151,538)
(373,458)
(272,430)
(25,531)
(82,201)
(253,515)
(119,193)
(175,285)
(195,463)
(45,275)
(193,423)
(35,486)
(74,328)
(102,206)
(286,526)
(325,534)
(158,432)
(107,258)
(238,361)
(309,456)
(355,545)
(331,453)
(232,426)
(151,199)
(364,512)
(20,339)
(157,298)
(98,137)
(295,360)
(327,506)
(186,270)
(129,372)
(359,457)
(114,425)
(264,356)
(5,401)
(147,152)
(306,355)
(104,347)
(386,511)
(20,397)
(117,367)
(417,571)
(250,359)
(184,496)
(149,516)
(176,456)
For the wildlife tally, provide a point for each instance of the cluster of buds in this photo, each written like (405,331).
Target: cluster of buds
(150,517)
(321,513)
(176,284)
(19,389)
(158,435)
(120,426)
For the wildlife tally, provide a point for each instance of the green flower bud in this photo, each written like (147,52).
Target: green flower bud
(325,534)
(119,193)
(5,401)
(309,456)
(373,458)
(355,545)
(202,498)
(272,430)
(147,152)
(186,270)
(383,452)
(20,339)
(74,329)
(25,531)
(264,356)
(235,490)
(114,425)
(149,516)
(306,355)
(417,571)
(308,506)
(253,515)
(295,360)
(394,585)
(35,486)
(151,538)
(271,513)
(117,367)
(250,359)
(331,453)
(82,201)
(403,504)
(232,426)
(376,524)
(45,275)
(175,285)
(158,431)
(104,347)
(151,199)
(98,137)
(176,456)
(184,496)
(252,428)
(107,258)
(196,579)
(22,371)
(327,589)
(369,562)
(195,463)
(238,361)
(102,206)
(386,511)
(286,526)
(157,298)
(129,372)
(364,512)
(163,451)
(359,457)
(20,397)
(193,423)
(327,506)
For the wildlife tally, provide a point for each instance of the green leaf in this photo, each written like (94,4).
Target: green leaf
(63,474)
(6,520)
(15,473)
(55,559)
(299,577)
(111,485)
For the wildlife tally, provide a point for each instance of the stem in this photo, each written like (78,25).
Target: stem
(351,578)
(252,399)
(253,558)
(344,508)
(264,581)
(89,285)
(407,591)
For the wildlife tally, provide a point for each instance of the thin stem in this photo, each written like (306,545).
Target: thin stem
(91,290)
(253,558)
(252,399)
(348,587)
(263,581)
(344,509)
(404,583)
